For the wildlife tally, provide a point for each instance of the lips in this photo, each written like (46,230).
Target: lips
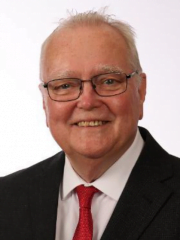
(95,123)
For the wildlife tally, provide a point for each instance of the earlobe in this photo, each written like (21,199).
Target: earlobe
(142,87)
(44,104)
(142,94)
(45,110)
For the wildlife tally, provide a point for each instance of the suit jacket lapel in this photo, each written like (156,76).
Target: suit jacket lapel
(143,195)
(139,203)
(43,197)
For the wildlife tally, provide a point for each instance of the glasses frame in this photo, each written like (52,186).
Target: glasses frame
(45,85)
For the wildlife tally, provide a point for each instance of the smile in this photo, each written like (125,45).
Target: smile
(91,123)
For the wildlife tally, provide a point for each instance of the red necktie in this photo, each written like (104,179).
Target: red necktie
(84,229)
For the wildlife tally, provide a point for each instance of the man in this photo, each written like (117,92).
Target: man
(93,92)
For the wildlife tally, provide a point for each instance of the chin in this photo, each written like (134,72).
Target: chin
(92,152)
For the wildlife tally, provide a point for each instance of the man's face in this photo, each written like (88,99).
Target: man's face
(84,52)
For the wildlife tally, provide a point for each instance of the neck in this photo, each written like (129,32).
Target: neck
(91,169)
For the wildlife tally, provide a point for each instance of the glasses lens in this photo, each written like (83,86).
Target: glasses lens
(64,89)
(110,84)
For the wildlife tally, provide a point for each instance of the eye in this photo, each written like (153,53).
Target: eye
(109,81)
(63,86)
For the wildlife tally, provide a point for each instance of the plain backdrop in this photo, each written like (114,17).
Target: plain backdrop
(24,137)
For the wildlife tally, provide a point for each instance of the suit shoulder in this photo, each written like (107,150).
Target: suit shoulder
(176,164)
(175,159)
(23,176)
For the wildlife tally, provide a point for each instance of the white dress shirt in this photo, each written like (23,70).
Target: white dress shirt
(111,185)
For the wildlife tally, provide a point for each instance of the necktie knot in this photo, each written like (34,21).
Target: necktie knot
(85,195)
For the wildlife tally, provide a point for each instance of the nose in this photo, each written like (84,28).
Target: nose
(88,99)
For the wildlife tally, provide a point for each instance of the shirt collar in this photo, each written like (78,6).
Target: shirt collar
(113,181)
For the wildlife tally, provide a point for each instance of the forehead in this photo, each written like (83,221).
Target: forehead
(84,47)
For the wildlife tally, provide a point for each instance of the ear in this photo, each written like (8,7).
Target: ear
(41,88)
(142,94)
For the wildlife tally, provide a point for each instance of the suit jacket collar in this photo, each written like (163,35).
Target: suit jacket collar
(144,194)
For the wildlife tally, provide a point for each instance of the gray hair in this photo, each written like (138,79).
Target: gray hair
(94,18)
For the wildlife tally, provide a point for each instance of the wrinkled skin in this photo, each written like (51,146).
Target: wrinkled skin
(82,53)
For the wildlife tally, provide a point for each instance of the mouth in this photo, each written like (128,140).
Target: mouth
(95,123)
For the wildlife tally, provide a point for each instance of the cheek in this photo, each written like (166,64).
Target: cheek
(56,113)
(126,107)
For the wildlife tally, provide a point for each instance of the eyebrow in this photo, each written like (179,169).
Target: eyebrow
(64,74)
(100,69)
(109,68)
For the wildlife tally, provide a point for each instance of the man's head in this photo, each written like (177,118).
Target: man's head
(92,126)
(98,19)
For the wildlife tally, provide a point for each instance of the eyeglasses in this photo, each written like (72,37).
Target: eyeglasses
(105,85)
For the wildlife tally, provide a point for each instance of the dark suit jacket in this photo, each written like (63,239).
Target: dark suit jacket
(148,209)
